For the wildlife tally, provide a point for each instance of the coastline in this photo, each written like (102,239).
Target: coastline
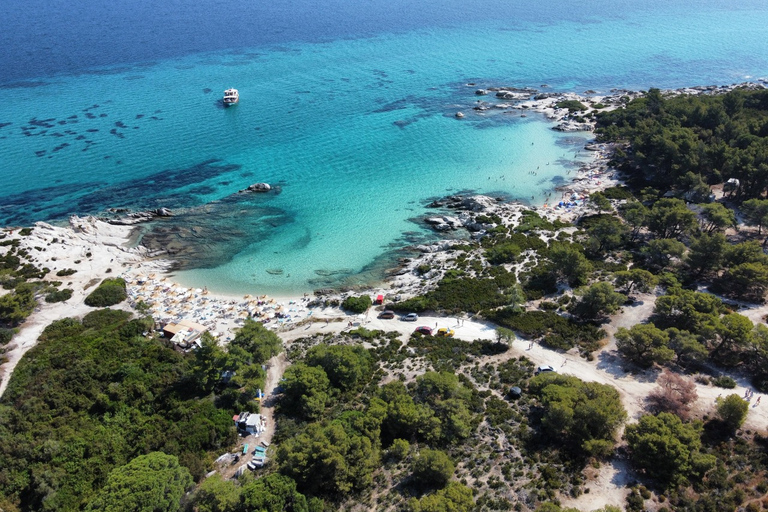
(97,249)
(113,253)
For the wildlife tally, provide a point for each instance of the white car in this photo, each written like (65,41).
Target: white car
(544,369)
(256,462)
(410,317)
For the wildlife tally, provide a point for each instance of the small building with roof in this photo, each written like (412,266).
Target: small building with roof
(184,333)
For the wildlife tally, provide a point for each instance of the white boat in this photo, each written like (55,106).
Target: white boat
(231,97)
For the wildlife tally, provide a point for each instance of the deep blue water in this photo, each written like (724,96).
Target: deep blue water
(348,106)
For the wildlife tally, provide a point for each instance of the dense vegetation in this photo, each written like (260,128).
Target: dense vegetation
(91,397)
(684,143)
(345,428)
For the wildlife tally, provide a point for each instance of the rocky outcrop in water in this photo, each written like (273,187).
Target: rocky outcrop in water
(258,187)
(444,223)
(573,126)
(138,217)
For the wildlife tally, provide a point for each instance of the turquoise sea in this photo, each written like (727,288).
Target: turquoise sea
(348,107)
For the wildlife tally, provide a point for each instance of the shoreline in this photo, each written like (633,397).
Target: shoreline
(97,249)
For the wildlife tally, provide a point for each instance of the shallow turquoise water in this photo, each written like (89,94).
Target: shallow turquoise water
(358,131)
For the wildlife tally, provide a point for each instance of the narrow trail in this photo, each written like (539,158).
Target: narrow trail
(275,369)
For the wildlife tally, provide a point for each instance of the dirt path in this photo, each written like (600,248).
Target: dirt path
(275,369)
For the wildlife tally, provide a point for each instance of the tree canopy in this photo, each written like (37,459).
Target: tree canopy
(149,483)
(586,413)
(668,449)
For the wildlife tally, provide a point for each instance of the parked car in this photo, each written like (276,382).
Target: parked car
(256,462)
(387,314)
(410,317)
(445,332)
(544,369)
(424,330)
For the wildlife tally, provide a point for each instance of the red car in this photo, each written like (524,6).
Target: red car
(424,330)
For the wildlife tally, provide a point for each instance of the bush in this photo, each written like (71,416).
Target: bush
(59,295)
(724,382)
(109,293)
(6,335)
(668,449)
(556,331)
(103,318)
(455,295)
(66,272)
(618,193)
(357,304)
(571,105)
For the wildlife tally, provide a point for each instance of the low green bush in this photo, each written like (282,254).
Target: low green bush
(6,335)
(104,318)
(553,329)
(108,293)
(620,192)
(531,220)
(503,253)
(59,295)
(725,382)
(571,105)
(357,304)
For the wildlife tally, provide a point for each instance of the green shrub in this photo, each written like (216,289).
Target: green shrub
(104,318)
(555,330)
(59,295)
(620,192)
(15,307)
(423,269)
(357,304)
(416,304)
(108,293)
(6,335)
(531,220)
(725,382)
(463,294)
(571,105)
(25,231)
(503,253)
